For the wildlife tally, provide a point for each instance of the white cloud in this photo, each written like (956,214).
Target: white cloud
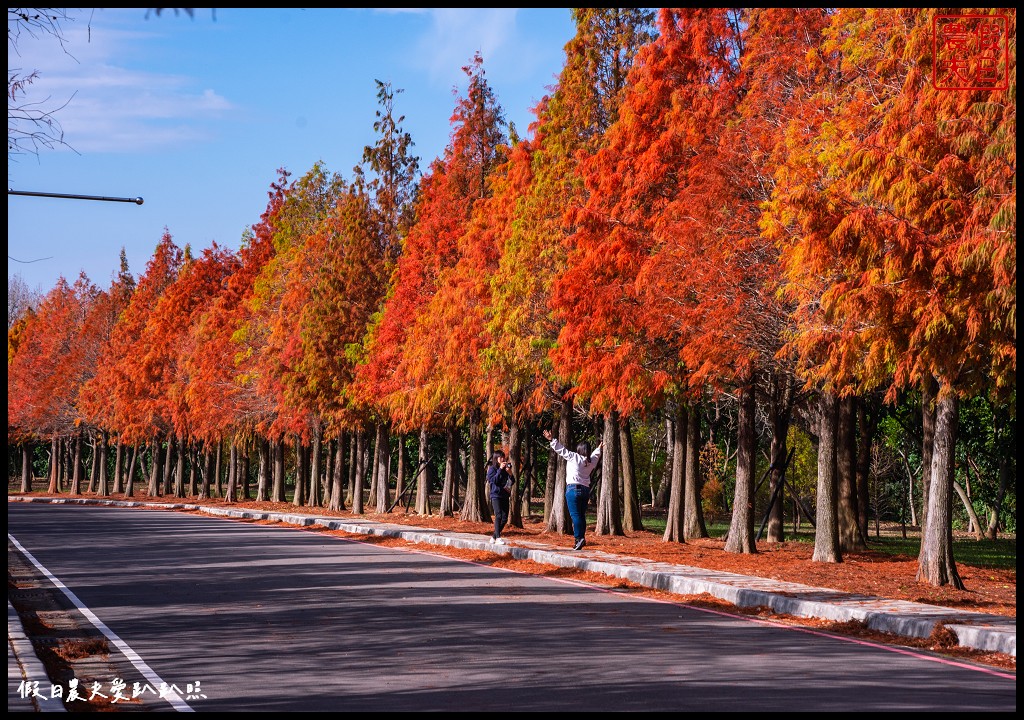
(106,106)
(455,35)
(210,100)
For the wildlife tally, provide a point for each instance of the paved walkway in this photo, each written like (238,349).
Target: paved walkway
(993,633)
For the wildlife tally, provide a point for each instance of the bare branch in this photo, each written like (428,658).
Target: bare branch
(32,125)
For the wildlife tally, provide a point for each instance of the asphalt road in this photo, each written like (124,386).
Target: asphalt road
(272,618)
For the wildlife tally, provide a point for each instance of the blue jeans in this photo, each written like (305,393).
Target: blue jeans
(500,506)
(576,497)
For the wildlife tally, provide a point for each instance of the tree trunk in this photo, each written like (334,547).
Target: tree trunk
(867,422)
(314,470)
(278,490)
(558,520)
(674,521)
(693,505)
(208,465)
(217,468)
(665,486)
(474,509)
(928,390)
(489,443)
(549,485)
(383,455)
(631,516)
(778,417)
(337,501)
(301,473)
(168,464)
(102,488)
(403,468)
(193,470)
(76,473)
(374,467)
(936,565)
(447,508)
(350,470)
(118,465)
(179,469)
(327,478)
(229,493)
(850,538)
(244,491)
(129,481)
(461,470)
(139,450)
(515,456)
(423,477)
(94,465)
(360,473)
(330,457)
(387,465)
(528,472)
(368,464)
(609,505)
(156,468)
(27,471)
(1004,480)
(910,489)
(155,471)
(826,534)
(263,474)
(58,465)
(975,527)
(350,484)
(66,460)
(741,529)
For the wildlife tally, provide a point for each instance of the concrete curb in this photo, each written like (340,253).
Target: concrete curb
(22,659)
(979,631)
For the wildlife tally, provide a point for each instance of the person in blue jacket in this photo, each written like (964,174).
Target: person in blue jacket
(578,467)
(499,484)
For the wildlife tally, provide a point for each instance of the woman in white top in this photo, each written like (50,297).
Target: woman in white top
(578,467)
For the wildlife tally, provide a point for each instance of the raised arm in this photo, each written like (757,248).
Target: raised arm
(561,450)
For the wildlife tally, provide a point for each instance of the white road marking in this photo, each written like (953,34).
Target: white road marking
(170,695)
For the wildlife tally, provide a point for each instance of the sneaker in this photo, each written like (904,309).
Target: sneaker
(579,544)
(490,540)
(500,541)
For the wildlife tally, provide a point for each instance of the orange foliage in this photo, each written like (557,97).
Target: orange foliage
(402,368)
(527,318)
(897,215)
(223,397)
(55,358)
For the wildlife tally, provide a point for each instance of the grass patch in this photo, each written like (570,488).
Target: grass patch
(1000,553)
(656,524)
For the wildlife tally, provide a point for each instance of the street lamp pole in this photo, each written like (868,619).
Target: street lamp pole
(136,200)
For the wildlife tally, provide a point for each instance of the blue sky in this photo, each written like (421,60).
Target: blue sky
(196,115)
